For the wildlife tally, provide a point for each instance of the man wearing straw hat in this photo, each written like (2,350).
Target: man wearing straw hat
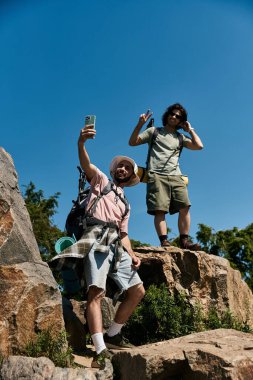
(110,251)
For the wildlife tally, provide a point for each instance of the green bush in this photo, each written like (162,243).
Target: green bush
(53,347)
(159,317)
(162,316)
(226,321)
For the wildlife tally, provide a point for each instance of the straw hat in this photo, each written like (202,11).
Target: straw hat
(134,180)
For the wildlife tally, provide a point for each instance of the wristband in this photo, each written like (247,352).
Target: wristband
(191,129)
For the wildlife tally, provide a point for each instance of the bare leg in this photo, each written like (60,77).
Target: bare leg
(184,221)
(133,296)
(160,223)
(93,310)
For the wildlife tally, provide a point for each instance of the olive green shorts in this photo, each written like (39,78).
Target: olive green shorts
(166,193)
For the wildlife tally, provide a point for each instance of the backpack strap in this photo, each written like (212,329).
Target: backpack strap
(181,142)
(81,184)
(126,203)
(153,138)
(108,187)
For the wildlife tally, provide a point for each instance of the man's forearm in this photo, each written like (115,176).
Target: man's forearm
(84,159)
(134,138)
(127,244)
(196,139)
(83,156)
(136,262)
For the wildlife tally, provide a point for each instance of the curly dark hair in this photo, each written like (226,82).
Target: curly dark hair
(176,106)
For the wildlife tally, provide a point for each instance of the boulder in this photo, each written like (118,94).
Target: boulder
(29,296)
(217,355)
(205,279)
(26,368)
(75,323)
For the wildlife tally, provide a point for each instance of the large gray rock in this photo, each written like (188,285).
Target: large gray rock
(205,279)
(217,355)
(26,368)
(29,296)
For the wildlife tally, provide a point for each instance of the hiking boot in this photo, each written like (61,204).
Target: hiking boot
(165,243)
(187,244)
(99,359)
(117,342)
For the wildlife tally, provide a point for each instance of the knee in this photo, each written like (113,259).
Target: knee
(159,215)
(184,211)
(95,295)
(138,292)
(141,292)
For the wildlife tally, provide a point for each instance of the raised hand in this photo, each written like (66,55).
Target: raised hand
(144,117)
(87,133)
(186,126)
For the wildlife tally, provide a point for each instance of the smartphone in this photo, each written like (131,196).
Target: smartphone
(90,121)
(151,123)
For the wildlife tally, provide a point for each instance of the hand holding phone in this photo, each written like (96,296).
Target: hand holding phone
(90,121)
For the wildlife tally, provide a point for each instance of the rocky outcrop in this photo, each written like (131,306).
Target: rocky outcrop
(217,355)
(29,296)
(20,367)
(205,279)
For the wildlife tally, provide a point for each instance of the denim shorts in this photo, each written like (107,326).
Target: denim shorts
(166,193)
(99,265)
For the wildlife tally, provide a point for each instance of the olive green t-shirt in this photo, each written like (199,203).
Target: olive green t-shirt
(164,155)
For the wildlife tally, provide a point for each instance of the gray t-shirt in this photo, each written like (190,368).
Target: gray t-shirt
(165,151)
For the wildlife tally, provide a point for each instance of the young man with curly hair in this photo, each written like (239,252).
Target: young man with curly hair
(166,190)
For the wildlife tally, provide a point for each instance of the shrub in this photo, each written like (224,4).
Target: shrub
(162,316)
(225,320)
(53,347)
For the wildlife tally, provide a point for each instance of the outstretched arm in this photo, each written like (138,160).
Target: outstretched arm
(134,138)
(195,143)
(87,166)
(127,245)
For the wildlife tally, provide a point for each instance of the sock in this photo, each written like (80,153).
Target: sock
(98,341)
(114,329)
(163,237)
(183,237)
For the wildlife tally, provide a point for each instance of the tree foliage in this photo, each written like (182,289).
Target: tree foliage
(236,245)
(41,212)
(137,243)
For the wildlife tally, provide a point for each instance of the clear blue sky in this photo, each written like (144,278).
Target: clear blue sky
(61,60)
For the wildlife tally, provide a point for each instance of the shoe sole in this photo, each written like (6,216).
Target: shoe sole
(114,347)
